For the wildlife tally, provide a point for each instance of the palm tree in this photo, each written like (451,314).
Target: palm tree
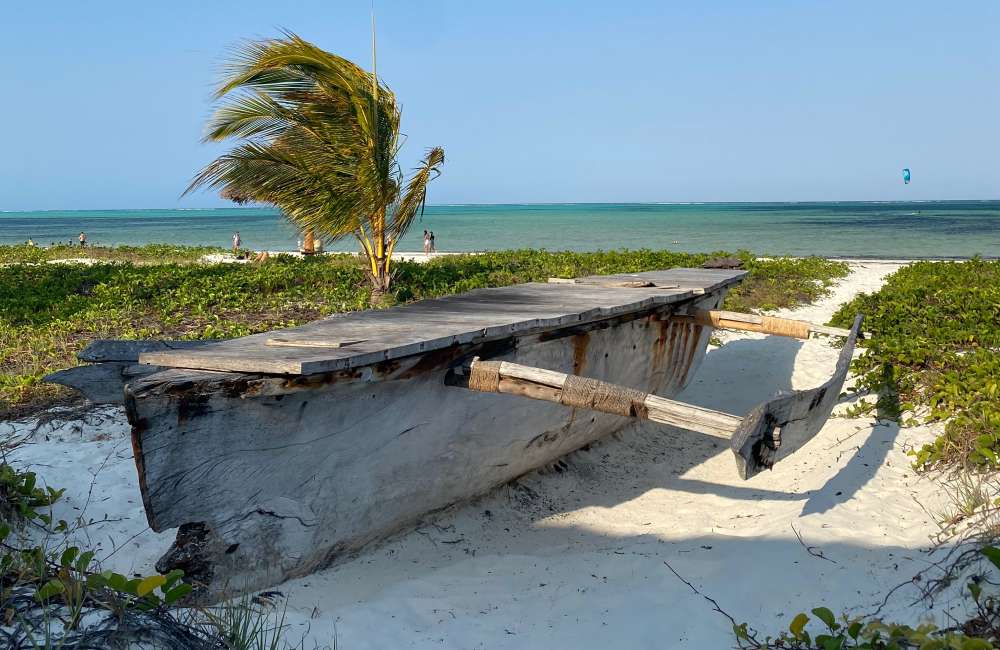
(318,137)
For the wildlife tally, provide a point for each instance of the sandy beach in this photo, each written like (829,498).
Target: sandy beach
(577,554)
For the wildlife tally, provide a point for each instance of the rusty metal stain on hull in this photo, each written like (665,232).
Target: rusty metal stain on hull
(660,344)
(692,352)
(580,343)
(676,343)
(682,357)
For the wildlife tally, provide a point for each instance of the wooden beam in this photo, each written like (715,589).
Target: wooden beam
(583,392)
(732,320)
(311,343)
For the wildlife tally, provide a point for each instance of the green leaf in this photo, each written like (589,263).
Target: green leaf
(828,642)
(854,629)
(172,578)
(96,581)
(992,554)
(177,593)
(146,585)
(115,580)
(83,563)
(798,624)
(50,589)
(68,556)
(4,530)
(825,615)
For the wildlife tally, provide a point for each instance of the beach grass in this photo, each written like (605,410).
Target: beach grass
(49,312)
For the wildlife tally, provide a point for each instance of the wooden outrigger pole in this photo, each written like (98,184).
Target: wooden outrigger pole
(769,432)
(731,320)
(593,394)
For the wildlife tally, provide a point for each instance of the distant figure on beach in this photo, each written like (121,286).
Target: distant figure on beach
(433,246)
(83,239)
(237,242)
(31,242)
(427,243)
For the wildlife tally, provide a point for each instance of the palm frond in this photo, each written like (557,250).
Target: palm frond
(318,137)
(415,197)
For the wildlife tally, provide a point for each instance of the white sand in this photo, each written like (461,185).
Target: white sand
(420,258)
(575,555)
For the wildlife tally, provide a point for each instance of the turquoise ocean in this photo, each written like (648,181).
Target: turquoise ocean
(931,229)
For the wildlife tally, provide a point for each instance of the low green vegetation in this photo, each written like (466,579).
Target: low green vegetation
(820,629)
(771,283)
(55,595)
(49,312)
(148,254)
(935,354)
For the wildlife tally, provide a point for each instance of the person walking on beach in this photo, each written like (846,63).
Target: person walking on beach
(83,240)
(237,242)
(427,243)
(433,247)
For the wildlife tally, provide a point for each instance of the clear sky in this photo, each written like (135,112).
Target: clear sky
(104,102)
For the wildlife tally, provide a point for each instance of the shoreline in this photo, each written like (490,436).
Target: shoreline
(421,257)
(944,229)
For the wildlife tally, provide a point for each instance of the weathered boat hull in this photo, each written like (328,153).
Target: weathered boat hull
(781,425)
(273,477)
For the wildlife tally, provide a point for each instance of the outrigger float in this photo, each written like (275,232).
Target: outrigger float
(276,454)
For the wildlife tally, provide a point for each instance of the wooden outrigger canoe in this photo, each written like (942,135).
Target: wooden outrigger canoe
(276,454)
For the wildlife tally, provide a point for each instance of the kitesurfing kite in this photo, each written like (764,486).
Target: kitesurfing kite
(906,176)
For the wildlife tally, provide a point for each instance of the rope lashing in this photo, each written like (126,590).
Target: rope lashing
(485,376)
(576,391)
(593,394)
(786,327)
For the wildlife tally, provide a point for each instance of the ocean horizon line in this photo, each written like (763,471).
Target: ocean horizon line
(535,203)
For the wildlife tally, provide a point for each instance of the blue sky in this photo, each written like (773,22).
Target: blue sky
(105,102)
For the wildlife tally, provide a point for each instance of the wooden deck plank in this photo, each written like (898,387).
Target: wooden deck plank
(479,315)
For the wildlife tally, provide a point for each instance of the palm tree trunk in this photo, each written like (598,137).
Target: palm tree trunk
(381,281)
(309,243)
(381,278)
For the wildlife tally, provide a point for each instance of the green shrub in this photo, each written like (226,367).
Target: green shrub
(21,497)
(936,343)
